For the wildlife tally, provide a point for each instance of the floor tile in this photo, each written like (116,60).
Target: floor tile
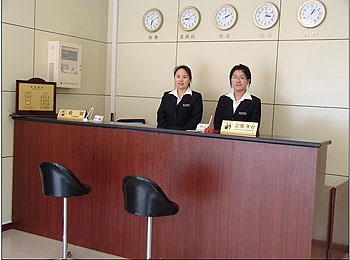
(16,244)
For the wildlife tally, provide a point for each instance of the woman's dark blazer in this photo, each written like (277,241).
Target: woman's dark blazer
(248,111)
(184,116)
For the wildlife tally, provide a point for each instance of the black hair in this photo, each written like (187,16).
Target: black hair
(245,70)
(187,69)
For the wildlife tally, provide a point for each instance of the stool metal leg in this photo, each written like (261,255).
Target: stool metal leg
(149,237)
(65,243)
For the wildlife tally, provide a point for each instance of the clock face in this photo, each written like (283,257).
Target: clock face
(152,20)
(265,16)
(225,17)
(189,18)
(311,14)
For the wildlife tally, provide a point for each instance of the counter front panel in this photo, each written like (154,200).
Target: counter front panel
(237,199)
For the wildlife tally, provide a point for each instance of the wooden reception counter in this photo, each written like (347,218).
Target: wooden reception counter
(239,197)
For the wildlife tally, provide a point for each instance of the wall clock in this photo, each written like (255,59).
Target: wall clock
(152,20)
(311,13)
(189,18)
(225,17)
(265,15)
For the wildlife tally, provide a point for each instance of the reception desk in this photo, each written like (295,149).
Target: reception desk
(239,197)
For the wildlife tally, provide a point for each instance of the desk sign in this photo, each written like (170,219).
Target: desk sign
(98,119)
(239,128)
(71,115)
(35,97)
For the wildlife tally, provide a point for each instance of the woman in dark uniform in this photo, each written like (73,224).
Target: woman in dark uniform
(239,104)
(181,108)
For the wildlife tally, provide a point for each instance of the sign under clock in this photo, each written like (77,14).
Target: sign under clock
(311,13)
(189,18)
(152,20)
(265,15)
(225,17)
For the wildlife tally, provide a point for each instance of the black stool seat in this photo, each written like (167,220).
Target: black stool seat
(144,197)
(59,181)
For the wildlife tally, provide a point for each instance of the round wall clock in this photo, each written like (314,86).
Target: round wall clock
(265,15)
(189,18)
(225,17)
(311,13)
(152,20)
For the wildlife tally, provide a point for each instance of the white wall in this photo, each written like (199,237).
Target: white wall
(27,26)
(300,74)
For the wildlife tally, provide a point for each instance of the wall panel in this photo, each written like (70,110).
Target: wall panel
(79,18)
(17,58)
(310,69)
(131,13)
(315,123)
(337,13)
(19,12)
(145,69)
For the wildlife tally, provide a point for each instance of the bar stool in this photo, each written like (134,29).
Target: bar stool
(59,181)
(144,197)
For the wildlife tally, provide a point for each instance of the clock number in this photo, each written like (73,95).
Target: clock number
(225,17)
(189,18)
(265,15)
(152,20)
(311,13)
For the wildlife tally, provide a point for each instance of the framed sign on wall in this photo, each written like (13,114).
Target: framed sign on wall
(35,97)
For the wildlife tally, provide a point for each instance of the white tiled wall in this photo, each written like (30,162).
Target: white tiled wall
(27,26)
(293,68)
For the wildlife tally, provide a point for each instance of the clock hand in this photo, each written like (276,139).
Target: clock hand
(311,13)
(153,20)
(188,18)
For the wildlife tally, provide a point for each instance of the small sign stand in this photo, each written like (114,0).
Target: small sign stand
(239,128)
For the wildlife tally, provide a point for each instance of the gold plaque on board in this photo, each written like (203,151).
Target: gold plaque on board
(35,97)
(71,114)
(239,128)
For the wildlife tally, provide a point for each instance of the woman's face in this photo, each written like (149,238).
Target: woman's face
(182,79)
(239,81)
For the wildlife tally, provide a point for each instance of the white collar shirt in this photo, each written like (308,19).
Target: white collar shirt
(174,92)
(237,102)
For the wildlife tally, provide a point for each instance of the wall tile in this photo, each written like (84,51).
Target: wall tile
(313,73)
(81,102)
(6,189)
(19,12)
(8,107)
(145,69)
(337,13)
(130,21)
(79,18)
(148,112)
(17,58)
(318,124)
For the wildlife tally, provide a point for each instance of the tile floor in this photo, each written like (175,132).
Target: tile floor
(16,244)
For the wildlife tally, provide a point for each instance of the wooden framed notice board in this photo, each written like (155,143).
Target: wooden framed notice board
(35,97)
